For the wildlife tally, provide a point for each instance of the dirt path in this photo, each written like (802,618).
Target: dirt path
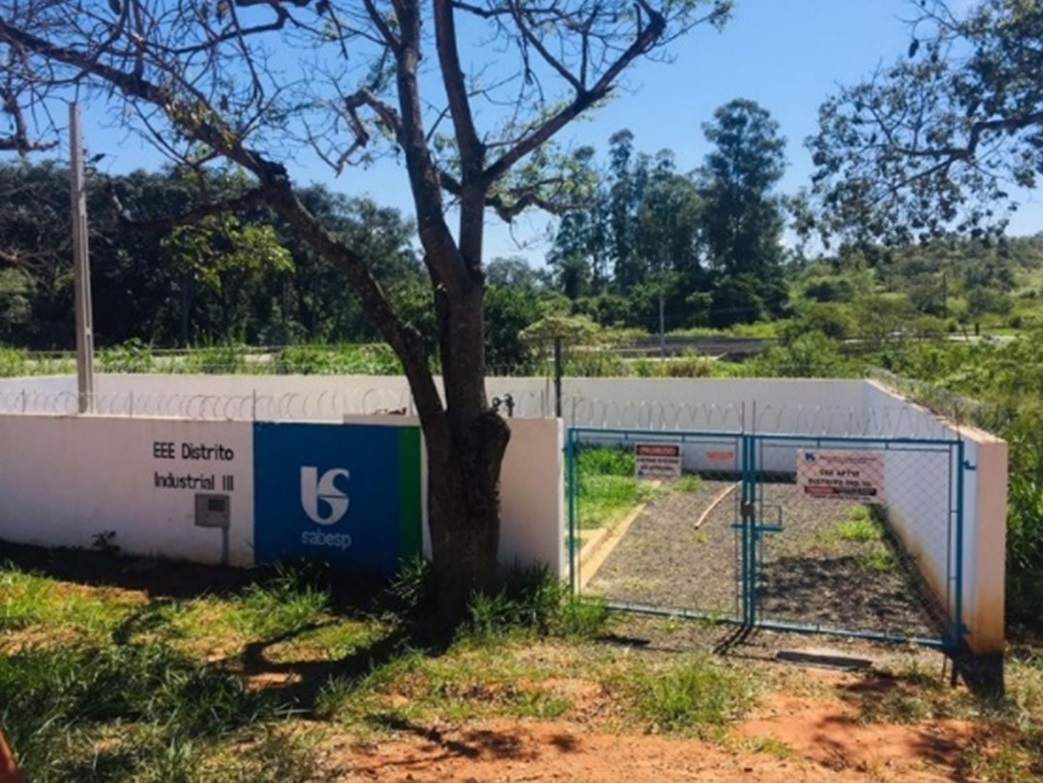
(789,739)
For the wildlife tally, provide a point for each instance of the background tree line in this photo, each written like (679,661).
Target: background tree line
(241,277)
(647,231)
(707,243)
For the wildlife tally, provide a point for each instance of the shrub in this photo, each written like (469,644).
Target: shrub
(12,362)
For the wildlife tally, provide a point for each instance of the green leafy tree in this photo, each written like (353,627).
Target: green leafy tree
(204,80)
(741,219)
(515,299)
(227,257)
(932,143)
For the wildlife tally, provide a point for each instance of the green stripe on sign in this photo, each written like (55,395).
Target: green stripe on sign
(409,495)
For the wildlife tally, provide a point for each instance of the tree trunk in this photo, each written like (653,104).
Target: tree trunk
(464,512)
(464,460)
(465,438)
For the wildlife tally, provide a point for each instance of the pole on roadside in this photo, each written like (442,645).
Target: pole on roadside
(557,376)
(81,269)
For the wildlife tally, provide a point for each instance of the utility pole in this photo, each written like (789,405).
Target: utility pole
(81,269)
(557,375)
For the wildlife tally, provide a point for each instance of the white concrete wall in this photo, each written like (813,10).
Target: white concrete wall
(63,480)
(714,404)
(917,497)
(532,496)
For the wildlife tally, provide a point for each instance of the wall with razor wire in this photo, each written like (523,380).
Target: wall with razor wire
(657,406)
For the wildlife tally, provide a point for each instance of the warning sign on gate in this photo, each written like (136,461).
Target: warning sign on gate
(657,461)
(840,475)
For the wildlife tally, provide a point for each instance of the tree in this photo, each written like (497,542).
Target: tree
(253,81)
(225,256)
(934,142)
(639,220)
(144,290)
(741,220)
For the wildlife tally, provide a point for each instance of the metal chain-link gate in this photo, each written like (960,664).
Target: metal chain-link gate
(853,536)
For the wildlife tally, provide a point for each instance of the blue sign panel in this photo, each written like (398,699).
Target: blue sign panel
(345,493)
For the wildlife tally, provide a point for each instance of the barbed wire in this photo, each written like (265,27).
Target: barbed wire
(942,402)
(886,420)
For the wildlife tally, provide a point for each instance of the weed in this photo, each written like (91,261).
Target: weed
(60,703)
(606,486)
(913,693)
(286,602)
(13,362)
(228,358)
(877,558)
(30,600)
(133,356)
(275,755)
(605,461)
(528,598)
(105,542)
(860,526)
(538,704)
(770,746)
(412,589)
(689,482)
(581,618)
(697,696)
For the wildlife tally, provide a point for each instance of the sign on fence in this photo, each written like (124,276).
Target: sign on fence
(840,475)
(657,461)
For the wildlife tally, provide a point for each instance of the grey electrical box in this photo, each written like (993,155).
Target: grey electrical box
(213,511)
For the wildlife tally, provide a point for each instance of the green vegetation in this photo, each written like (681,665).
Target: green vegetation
(137,711)
(860,525)
(689,482)
(860,535)
(105,684)
(698,695)
(607,489)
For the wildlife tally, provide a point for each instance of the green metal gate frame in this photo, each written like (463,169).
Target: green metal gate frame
(751,525)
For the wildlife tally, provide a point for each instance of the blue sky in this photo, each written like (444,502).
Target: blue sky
(787,55)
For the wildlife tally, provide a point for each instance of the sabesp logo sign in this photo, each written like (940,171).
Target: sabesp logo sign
(315,488)
(303,477)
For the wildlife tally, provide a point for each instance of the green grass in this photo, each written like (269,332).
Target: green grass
(689,482)
(698,696)
(281,605)
(30,600)
(104,685)
(859,535)
(607,489)
(125,712)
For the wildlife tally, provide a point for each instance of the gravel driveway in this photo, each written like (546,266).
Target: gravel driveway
(810,574)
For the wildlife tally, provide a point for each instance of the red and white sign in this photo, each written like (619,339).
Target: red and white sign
(840,475)
(657,461)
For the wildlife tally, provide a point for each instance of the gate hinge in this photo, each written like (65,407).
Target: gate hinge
(747,509)
(968,466)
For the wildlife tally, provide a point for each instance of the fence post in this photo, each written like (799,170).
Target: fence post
(570,477)
(961,467)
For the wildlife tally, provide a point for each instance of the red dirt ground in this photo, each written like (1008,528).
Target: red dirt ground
(788,739)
